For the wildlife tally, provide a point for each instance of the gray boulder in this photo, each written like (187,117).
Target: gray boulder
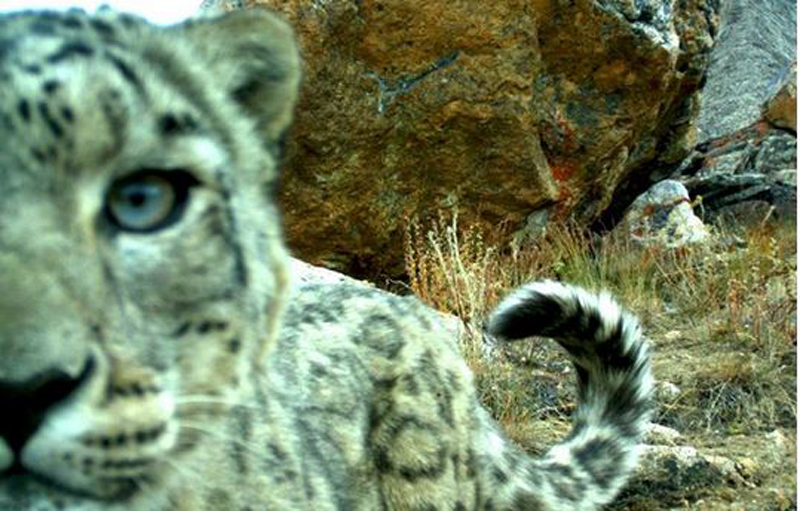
(743,165)
(663,216)
(753,53)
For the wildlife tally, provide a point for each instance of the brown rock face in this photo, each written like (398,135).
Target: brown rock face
(501,109)
(781,109)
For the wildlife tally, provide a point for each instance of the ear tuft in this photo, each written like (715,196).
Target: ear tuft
(253,53)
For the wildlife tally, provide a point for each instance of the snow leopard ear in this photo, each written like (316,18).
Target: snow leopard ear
(253,53)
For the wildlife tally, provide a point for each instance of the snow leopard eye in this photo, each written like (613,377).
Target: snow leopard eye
(148,200)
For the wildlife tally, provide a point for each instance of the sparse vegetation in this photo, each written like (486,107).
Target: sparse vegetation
(722,319)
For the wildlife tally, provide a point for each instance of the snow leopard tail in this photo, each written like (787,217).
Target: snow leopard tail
(612,364)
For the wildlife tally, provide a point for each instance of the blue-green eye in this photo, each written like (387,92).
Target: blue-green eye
(148,200)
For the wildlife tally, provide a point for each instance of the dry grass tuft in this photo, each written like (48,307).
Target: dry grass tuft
(722,319)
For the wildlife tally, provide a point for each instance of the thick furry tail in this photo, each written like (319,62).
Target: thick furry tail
(612,363)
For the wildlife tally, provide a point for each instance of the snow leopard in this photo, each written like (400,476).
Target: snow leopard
(156,353)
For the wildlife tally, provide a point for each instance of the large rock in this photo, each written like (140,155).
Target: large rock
(503,109)
(663,216)
(665,471)
(754,52)
(747,199)
(745,162)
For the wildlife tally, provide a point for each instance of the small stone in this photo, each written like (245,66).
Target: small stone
(666,392)
(748,468)
(663,216)
(684,468)
(779,446)
(661,435)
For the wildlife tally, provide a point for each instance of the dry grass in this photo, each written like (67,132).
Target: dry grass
(722,319)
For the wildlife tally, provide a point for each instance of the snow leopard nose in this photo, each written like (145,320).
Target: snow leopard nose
(26,403)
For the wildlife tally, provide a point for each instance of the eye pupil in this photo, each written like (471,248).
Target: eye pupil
(137,198)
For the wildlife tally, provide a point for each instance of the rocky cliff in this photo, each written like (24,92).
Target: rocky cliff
(514,112)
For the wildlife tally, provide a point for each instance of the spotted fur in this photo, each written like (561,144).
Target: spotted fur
(155,355)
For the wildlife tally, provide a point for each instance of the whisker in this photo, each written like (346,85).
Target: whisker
(211,400)
(186,472)
(222,436)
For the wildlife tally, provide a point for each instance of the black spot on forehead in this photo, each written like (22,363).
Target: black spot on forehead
(173,124)
(50,86)
(126,71)
(78,30)
(24,109)
(102,27)
(39,155)
(72,22)
(67,114)
(168,124)
(32,69)
(52,123)
(70,49)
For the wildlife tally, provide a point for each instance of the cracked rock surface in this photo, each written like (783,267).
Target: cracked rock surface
(753,55)
(500,109)
(745,164)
